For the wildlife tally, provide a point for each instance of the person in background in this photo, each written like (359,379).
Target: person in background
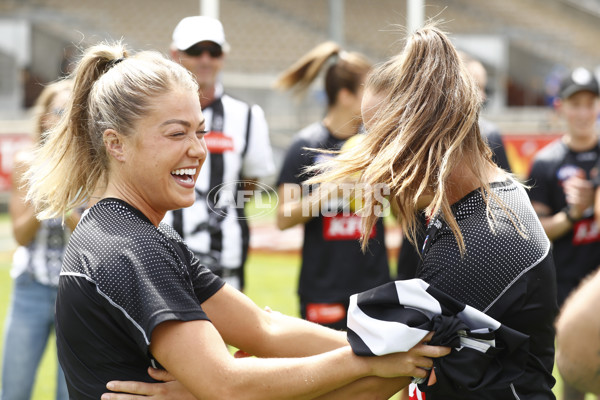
(562,192)
(239,153)
(485,246)
(577,339)
(36,265)
(488,129)
(132,294)
(333,265)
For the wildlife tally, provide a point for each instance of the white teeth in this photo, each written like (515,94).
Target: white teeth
(184,171)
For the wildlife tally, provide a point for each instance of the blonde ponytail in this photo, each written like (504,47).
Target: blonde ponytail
(111,90)
(425,126)
(347,71)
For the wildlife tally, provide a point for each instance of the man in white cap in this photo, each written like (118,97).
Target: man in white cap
(562,192)
(199,45)
(239,150)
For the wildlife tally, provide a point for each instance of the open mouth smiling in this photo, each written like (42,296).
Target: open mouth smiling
(184,175)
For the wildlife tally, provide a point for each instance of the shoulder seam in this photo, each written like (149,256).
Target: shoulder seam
(539,260)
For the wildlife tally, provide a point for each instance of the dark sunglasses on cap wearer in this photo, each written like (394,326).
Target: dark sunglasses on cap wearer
(198,49)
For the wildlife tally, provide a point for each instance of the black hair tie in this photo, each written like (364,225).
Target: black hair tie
(112,63)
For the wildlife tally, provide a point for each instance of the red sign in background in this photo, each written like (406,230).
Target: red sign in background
(10,144)
(521,148)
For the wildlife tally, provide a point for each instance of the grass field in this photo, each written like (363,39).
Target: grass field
(270,281)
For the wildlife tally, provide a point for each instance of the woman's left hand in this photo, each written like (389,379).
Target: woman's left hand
(168,389)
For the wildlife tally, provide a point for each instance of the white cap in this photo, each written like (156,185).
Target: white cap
(192,30)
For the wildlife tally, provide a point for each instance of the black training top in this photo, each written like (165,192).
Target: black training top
(577,253)
(333,264)
(122,276)
(507,274)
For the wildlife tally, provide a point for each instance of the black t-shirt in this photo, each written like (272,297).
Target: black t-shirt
(506,274)
(122,276)
(333,264)
(577,253)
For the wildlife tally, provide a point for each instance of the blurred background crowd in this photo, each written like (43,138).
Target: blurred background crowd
(527,46)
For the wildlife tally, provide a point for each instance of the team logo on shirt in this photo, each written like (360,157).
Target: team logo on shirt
(325,313)
(568,171)
(218,142)
(344,227)
(585,231)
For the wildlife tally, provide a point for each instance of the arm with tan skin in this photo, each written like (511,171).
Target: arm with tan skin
(579,195)
(370,388)
(238,321)
(555,225)
(296,208)
(293,209)
(578,337)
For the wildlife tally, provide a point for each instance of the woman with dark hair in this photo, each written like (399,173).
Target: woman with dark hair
(333,265)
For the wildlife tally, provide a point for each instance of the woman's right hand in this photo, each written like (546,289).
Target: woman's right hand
(417,362)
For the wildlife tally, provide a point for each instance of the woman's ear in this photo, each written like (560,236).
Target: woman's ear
(115,146)
(345,97)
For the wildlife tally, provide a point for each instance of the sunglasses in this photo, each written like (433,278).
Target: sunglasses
(198,49)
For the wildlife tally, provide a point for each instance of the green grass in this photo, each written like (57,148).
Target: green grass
(271,280)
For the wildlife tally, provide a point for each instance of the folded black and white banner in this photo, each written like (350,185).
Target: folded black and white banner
(396,316)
